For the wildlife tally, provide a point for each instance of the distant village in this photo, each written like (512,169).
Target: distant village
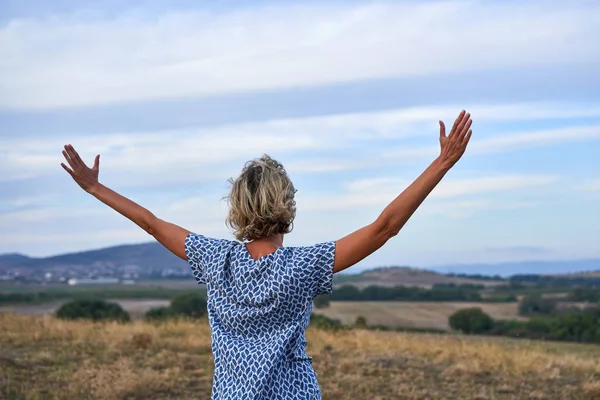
(96,273)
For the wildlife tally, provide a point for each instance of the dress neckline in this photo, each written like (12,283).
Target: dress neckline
(261,257)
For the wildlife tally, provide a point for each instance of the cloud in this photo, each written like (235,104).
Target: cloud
(452,199)
(468,208)
(74,240)
(28,201)
(15,219)
(509,142)
(74,60)
(537,139)
(149,159)
(590,186)
(381,191)
(306,145)
(521,250)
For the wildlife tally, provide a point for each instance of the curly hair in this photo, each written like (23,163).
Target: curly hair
(261,201)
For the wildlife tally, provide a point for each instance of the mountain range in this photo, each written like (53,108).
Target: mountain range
(146,256)
(153,256)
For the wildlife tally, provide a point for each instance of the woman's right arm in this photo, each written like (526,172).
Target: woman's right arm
(356,246)
(169,235)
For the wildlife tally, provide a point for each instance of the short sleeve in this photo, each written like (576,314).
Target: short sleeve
(320,258)
(200,251)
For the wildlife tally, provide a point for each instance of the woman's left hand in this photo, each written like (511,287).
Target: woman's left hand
(85,177)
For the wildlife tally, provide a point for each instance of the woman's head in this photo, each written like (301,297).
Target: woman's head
(261,201)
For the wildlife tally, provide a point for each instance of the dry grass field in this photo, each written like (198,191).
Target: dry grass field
(44,358)
(411,314)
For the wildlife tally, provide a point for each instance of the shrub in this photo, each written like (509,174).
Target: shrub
(536,305)
(322,301)
(361,322)
(584,293)
(322,322)
(95,310)
(159,314)
(8,298)
(471,320)
(192,305)
(572,325)
(141,341)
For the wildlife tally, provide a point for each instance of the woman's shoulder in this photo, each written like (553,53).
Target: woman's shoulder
(309,251)
(198,240)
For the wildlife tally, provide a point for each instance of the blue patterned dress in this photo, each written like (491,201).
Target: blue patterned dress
(258,312)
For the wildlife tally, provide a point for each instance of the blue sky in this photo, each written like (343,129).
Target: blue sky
(177,96)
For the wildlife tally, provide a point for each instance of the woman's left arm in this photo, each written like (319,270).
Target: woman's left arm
(169,235)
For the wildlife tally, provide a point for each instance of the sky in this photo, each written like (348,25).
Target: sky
(176,97)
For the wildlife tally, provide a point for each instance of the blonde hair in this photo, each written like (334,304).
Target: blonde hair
(261,201)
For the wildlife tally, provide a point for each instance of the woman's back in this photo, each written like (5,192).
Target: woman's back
(258,312)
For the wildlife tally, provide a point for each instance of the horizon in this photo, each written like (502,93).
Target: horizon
(346,95)
(451,269)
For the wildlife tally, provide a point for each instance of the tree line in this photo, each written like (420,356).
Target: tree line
(438,292)
(32,297)
(576,325)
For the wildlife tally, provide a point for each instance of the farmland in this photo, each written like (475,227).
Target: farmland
(411,314)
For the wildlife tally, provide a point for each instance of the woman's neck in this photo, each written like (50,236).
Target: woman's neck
(264,246)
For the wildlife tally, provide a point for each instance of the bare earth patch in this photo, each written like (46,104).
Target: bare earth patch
(44,358)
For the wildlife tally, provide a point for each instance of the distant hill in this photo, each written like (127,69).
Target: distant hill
(405,276)
(590,274)
(153,256)
(146,257)
(561,267)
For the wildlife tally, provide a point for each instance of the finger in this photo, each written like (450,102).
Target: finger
(74,164)
(68,158)
(465,129)
(461,126)
(67,169)
(442,130)
(67,153)
(457,121)
(465,141)
(75,156)
(96,163)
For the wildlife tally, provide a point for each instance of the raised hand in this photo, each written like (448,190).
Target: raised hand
(85,177)
(454,145)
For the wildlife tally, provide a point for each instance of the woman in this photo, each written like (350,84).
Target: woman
(260,294)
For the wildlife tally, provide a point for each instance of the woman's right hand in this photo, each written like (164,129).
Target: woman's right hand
(454,145)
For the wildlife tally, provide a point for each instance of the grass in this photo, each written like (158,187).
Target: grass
(44,358)
(411,314)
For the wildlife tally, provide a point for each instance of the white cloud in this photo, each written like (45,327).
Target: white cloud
(73,61)
(28,201)
(537,139)
(590,186)
(200,154)
(72,241)
(508,142)
(381,191)
(15,219)
(467,208)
